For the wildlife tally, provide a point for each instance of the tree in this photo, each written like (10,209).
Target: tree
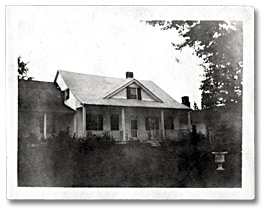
(23,69)
(220,45)
(195,106)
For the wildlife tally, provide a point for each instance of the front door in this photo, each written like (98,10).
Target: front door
(152,127)
(134,128)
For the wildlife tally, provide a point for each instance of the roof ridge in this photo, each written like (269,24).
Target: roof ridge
(101,75)
(90,74)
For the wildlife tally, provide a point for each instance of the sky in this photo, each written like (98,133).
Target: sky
(106,41)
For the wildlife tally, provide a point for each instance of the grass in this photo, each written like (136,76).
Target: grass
(131,165)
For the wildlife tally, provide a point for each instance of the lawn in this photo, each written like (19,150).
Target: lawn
(129,165)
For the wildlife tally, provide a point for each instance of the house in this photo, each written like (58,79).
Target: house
(40,109)
(125,108)
(209,122)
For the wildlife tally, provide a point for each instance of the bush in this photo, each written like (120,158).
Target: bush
(92,142)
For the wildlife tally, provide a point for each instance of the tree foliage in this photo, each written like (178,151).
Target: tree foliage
(22,70)
(220,45)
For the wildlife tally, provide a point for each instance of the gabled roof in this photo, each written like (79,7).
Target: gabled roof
(131,81)
(91,89)
(40,96)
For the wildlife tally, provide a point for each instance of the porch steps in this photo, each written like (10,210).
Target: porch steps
(153,143)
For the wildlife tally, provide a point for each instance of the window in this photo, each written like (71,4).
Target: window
(168,122)
(134,127)
(114,122)
(66,96)
(183,117)
(94,122)
(151,123)
(134,93)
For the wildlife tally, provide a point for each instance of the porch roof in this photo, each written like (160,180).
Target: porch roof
(90,89)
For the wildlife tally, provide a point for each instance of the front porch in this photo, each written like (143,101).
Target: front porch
(41,124)
(126,123)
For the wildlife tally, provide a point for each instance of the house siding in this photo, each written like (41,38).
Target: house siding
(121,94)
(146,97)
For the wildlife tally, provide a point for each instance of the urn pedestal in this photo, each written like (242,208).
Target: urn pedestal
(220,159)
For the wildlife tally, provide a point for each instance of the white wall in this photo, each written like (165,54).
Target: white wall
(61,83)
(146,96)
(121,94)
(72,102)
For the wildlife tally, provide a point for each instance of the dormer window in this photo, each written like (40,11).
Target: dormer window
(134,93)
(66,95)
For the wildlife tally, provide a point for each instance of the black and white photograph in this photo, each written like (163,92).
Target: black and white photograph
(105,99)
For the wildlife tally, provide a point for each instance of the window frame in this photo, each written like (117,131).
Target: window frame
(94,122)
(169,123)
(150,120)
(114,124)
(136,93)
(183,118)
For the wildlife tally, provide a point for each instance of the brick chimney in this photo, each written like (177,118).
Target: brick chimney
(129,74)
(185,101)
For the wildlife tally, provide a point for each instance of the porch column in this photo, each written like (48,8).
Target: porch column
(45,126)
(84,119)
(75,124)
(124,124)
(162,124)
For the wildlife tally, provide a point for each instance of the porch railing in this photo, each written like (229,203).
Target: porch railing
(176,134)
(118,135)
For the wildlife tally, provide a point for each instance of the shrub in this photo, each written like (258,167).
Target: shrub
(64,142)
(104,141)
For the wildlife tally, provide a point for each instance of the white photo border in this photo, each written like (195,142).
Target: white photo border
(237,13)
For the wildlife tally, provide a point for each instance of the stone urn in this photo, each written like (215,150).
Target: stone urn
(220,159)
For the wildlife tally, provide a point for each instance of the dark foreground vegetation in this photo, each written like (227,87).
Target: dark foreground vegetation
(64,161)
